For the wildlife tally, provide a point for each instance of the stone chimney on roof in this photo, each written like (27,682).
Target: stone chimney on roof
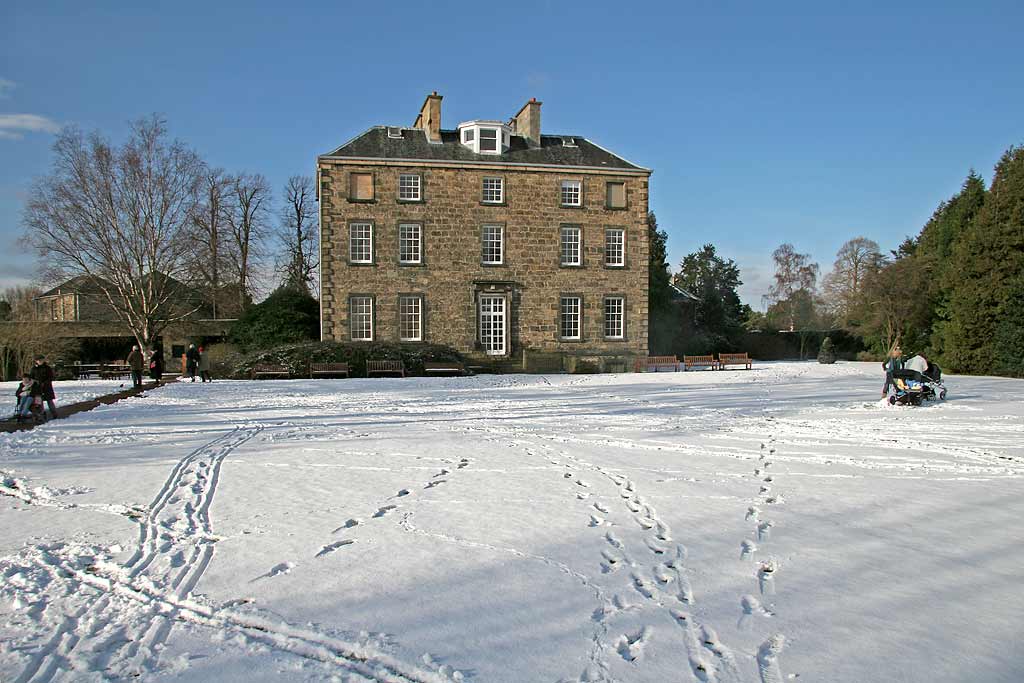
(527,122)
(429,119)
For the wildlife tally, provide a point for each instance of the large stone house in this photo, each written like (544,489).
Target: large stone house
(519,249)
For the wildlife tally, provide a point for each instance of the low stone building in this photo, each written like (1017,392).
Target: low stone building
(519,249)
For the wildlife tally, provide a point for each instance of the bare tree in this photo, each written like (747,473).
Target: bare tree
(856,261)
(793,273)
(121,217)
(299,236)
(248,218)
(212,215)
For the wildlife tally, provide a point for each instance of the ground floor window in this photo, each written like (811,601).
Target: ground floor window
(360,315)
(614,317)
(410,318)
(571,309)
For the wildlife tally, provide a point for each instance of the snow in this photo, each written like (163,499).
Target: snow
(769,525)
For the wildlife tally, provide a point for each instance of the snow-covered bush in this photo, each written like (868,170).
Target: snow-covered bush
(297,357)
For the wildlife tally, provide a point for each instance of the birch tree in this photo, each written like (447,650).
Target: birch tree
(122,216)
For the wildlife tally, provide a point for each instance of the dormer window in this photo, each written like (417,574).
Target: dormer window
(485,137)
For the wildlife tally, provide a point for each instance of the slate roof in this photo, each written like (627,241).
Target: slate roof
(375,144)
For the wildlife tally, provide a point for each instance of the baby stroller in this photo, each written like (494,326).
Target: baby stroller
(913,388)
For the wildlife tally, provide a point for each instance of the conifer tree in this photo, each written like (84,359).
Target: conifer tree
(988,269)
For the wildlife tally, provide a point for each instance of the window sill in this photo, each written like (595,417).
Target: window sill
(571,266)
(612,267)
(572,206)
(361,264)
(493,203)
(410,201)
(361,201)
(615,339)
(574,340)
(402,264)
(616,208)
(493,265)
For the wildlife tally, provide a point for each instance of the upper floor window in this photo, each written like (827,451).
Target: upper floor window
(485,137)
(360,187)
(360,243)
(410,243)
(493,244)
(614,247)
(494,191)
(616,195)
(488,140)
(571,242)
(572,193)
(468,135)
(409,187)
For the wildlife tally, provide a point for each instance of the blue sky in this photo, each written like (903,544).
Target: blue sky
(809,123)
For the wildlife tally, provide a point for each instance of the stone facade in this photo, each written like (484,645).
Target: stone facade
(452,277)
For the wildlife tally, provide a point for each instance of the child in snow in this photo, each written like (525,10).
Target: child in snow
(27,393)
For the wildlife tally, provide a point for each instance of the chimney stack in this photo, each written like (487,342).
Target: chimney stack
(429,119)
(527,122)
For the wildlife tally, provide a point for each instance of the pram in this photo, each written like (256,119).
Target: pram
(913,388)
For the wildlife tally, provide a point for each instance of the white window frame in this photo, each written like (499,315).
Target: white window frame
(352,241)
(570,311)
(353,302)
(610,317)
(486,231)
(497,140)
(493,343)
(404,311)
(496,185)
(468,134)
(573,187)
(609,251)
(404,239)
(413,191)
(566,243)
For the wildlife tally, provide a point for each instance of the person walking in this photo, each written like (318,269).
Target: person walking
(156,364)
(891,364)
(42,373)
(135,364)
(192,361)
(204,365)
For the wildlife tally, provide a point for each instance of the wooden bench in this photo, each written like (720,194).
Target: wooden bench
(444,368)
(385,367)
(328,369)
(270,370)
(656,362)
(700,362)
(734,359)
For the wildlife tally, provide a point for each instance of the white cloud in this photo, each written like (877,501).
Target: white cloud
(6,86)
(13,126)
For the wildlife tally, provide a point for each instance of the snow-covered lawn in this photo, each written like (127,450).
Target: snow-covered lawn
(68,392)
(772,525)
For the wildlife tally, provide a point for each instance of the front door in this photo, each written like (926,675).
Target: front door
(493,324)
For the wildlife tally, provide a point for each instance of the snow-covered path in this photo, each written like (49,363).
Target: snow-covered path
(715,526)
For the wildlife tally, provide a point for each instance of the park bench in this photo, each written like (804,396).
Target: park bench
(444,368)
(114,370)
(700,362)
(328,369)
(657,362)
(385,367)
(734,359)
(270,370)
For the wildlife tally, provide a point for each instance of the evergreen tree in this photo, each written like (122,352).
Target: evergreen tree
(288,315)
(663,325)
(988,268)
(714,281)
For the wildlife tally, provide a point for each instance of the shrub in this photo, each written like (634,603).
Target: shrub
(286,316)
(297,357)
(827,352)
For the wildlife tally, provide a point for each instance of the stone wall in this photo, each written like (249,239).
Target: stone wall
(452,274)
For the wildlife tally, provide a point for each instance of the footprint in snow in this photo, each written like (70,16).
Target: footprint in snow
(462,463)
(764,530)
(384,510)
(751,607)
(766,576)
(643,586)
(597,521)
(601,508)
(613,540)
(347,525)
(655,547)
(747,548)
(633,505)
(611,563)
(277,570)
(442,473)
(432,484)
(768,659)
(331,547)
(631,647)
(402,493)
(645,522)
(752,513)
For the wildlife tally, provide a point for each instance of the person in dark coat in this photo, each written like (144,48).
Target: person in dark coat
(135,364)
(42,373)
(204,365)
(192,361)
(893,363)
(156,364)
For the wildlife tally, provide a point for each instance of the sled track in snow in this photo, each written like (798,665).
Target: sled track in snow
(175,547)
